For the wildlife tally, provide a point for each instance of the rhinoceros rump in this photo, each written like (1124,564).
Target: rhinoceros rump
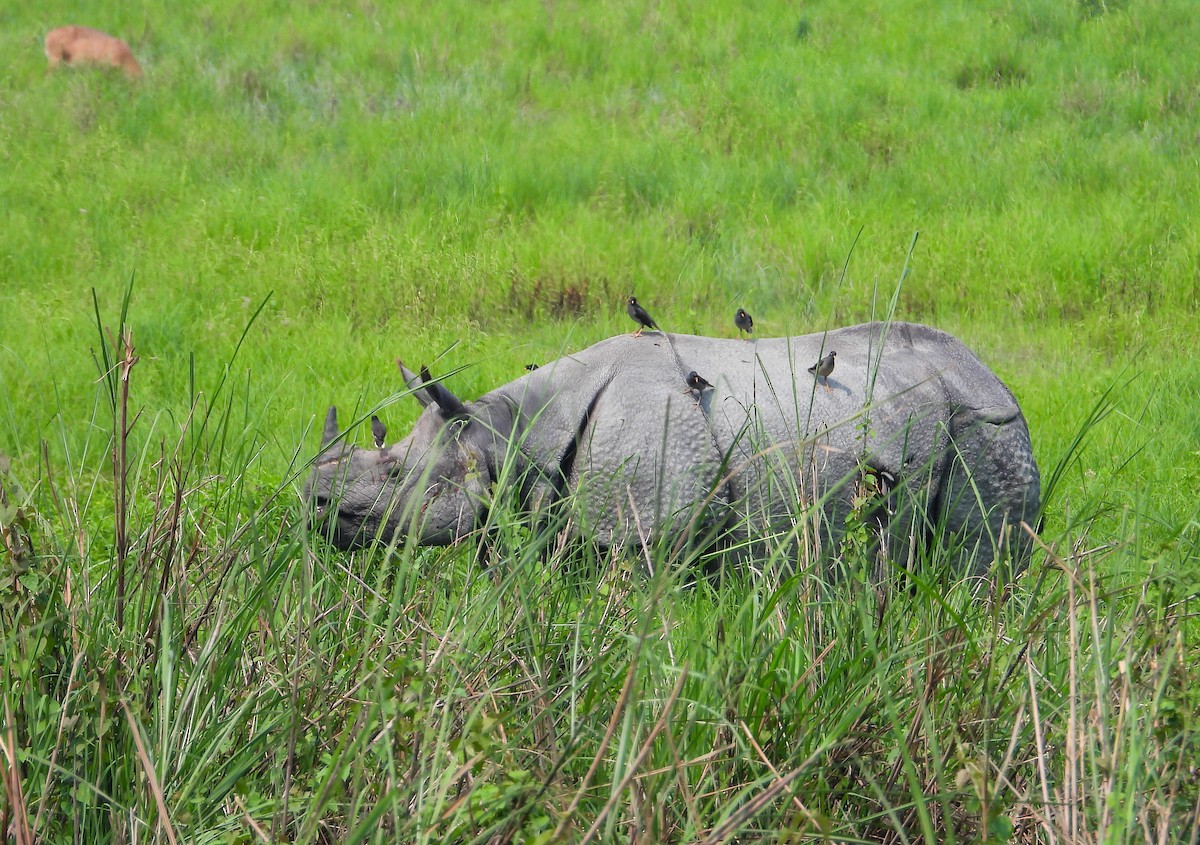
(615,426)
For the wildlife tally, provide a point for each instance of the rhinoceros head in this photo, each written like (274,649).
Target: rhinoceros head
(432,483)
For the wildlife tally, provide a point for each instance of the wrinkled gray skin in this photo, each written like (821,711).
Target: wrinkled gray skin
(616,421)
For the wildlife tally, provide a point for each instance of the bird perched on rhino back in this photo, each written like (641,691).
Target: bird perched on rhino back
(640,316)
(697,383)
(743,321)
(823,369)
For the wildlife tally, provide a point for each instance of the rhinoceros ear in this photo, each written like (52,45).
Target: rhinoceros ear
(331,427)
(413,383)
(419,391)
(451,406)
(428,392)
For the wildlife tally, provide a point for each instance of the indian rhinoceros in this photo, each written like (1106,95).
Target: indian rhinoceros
(616,428)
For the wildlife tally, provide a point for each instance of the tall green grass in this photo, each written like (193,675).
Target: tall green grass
(303,193)
(221,674)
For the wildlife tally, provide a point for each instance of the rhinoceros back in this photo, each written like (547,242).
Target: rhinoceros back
(768,438)
(767,445)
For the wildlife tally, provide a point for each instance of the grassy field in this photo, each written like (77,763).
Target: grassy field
(296,194)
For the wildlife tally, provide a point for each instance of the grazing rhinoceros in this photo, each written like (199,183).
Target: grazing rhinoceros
(941,438)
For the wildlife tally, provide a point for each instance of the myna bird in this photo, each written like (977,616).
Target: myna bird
(696,382)
(378,431)
(531,367)
(823,368)
(743,321)
(638,314)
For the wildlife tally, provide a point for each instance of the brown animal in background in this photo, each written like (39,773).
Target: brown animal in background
(82,45)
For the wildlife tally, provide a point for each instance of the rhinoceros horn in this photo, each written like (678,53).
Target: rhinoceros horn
(331,427)
(427,390)
(452,407)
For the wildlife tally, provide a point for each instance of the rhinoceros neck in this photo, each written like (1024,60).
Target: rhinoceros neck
(537,418)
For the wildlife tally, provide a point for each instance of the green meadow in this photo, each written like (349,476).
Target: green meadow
(194,266)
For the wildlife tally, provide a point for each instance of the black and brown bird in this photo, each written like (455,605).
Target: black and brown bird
(639,315)
(696,382)
(823,368)
(378,431)
(743,321)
